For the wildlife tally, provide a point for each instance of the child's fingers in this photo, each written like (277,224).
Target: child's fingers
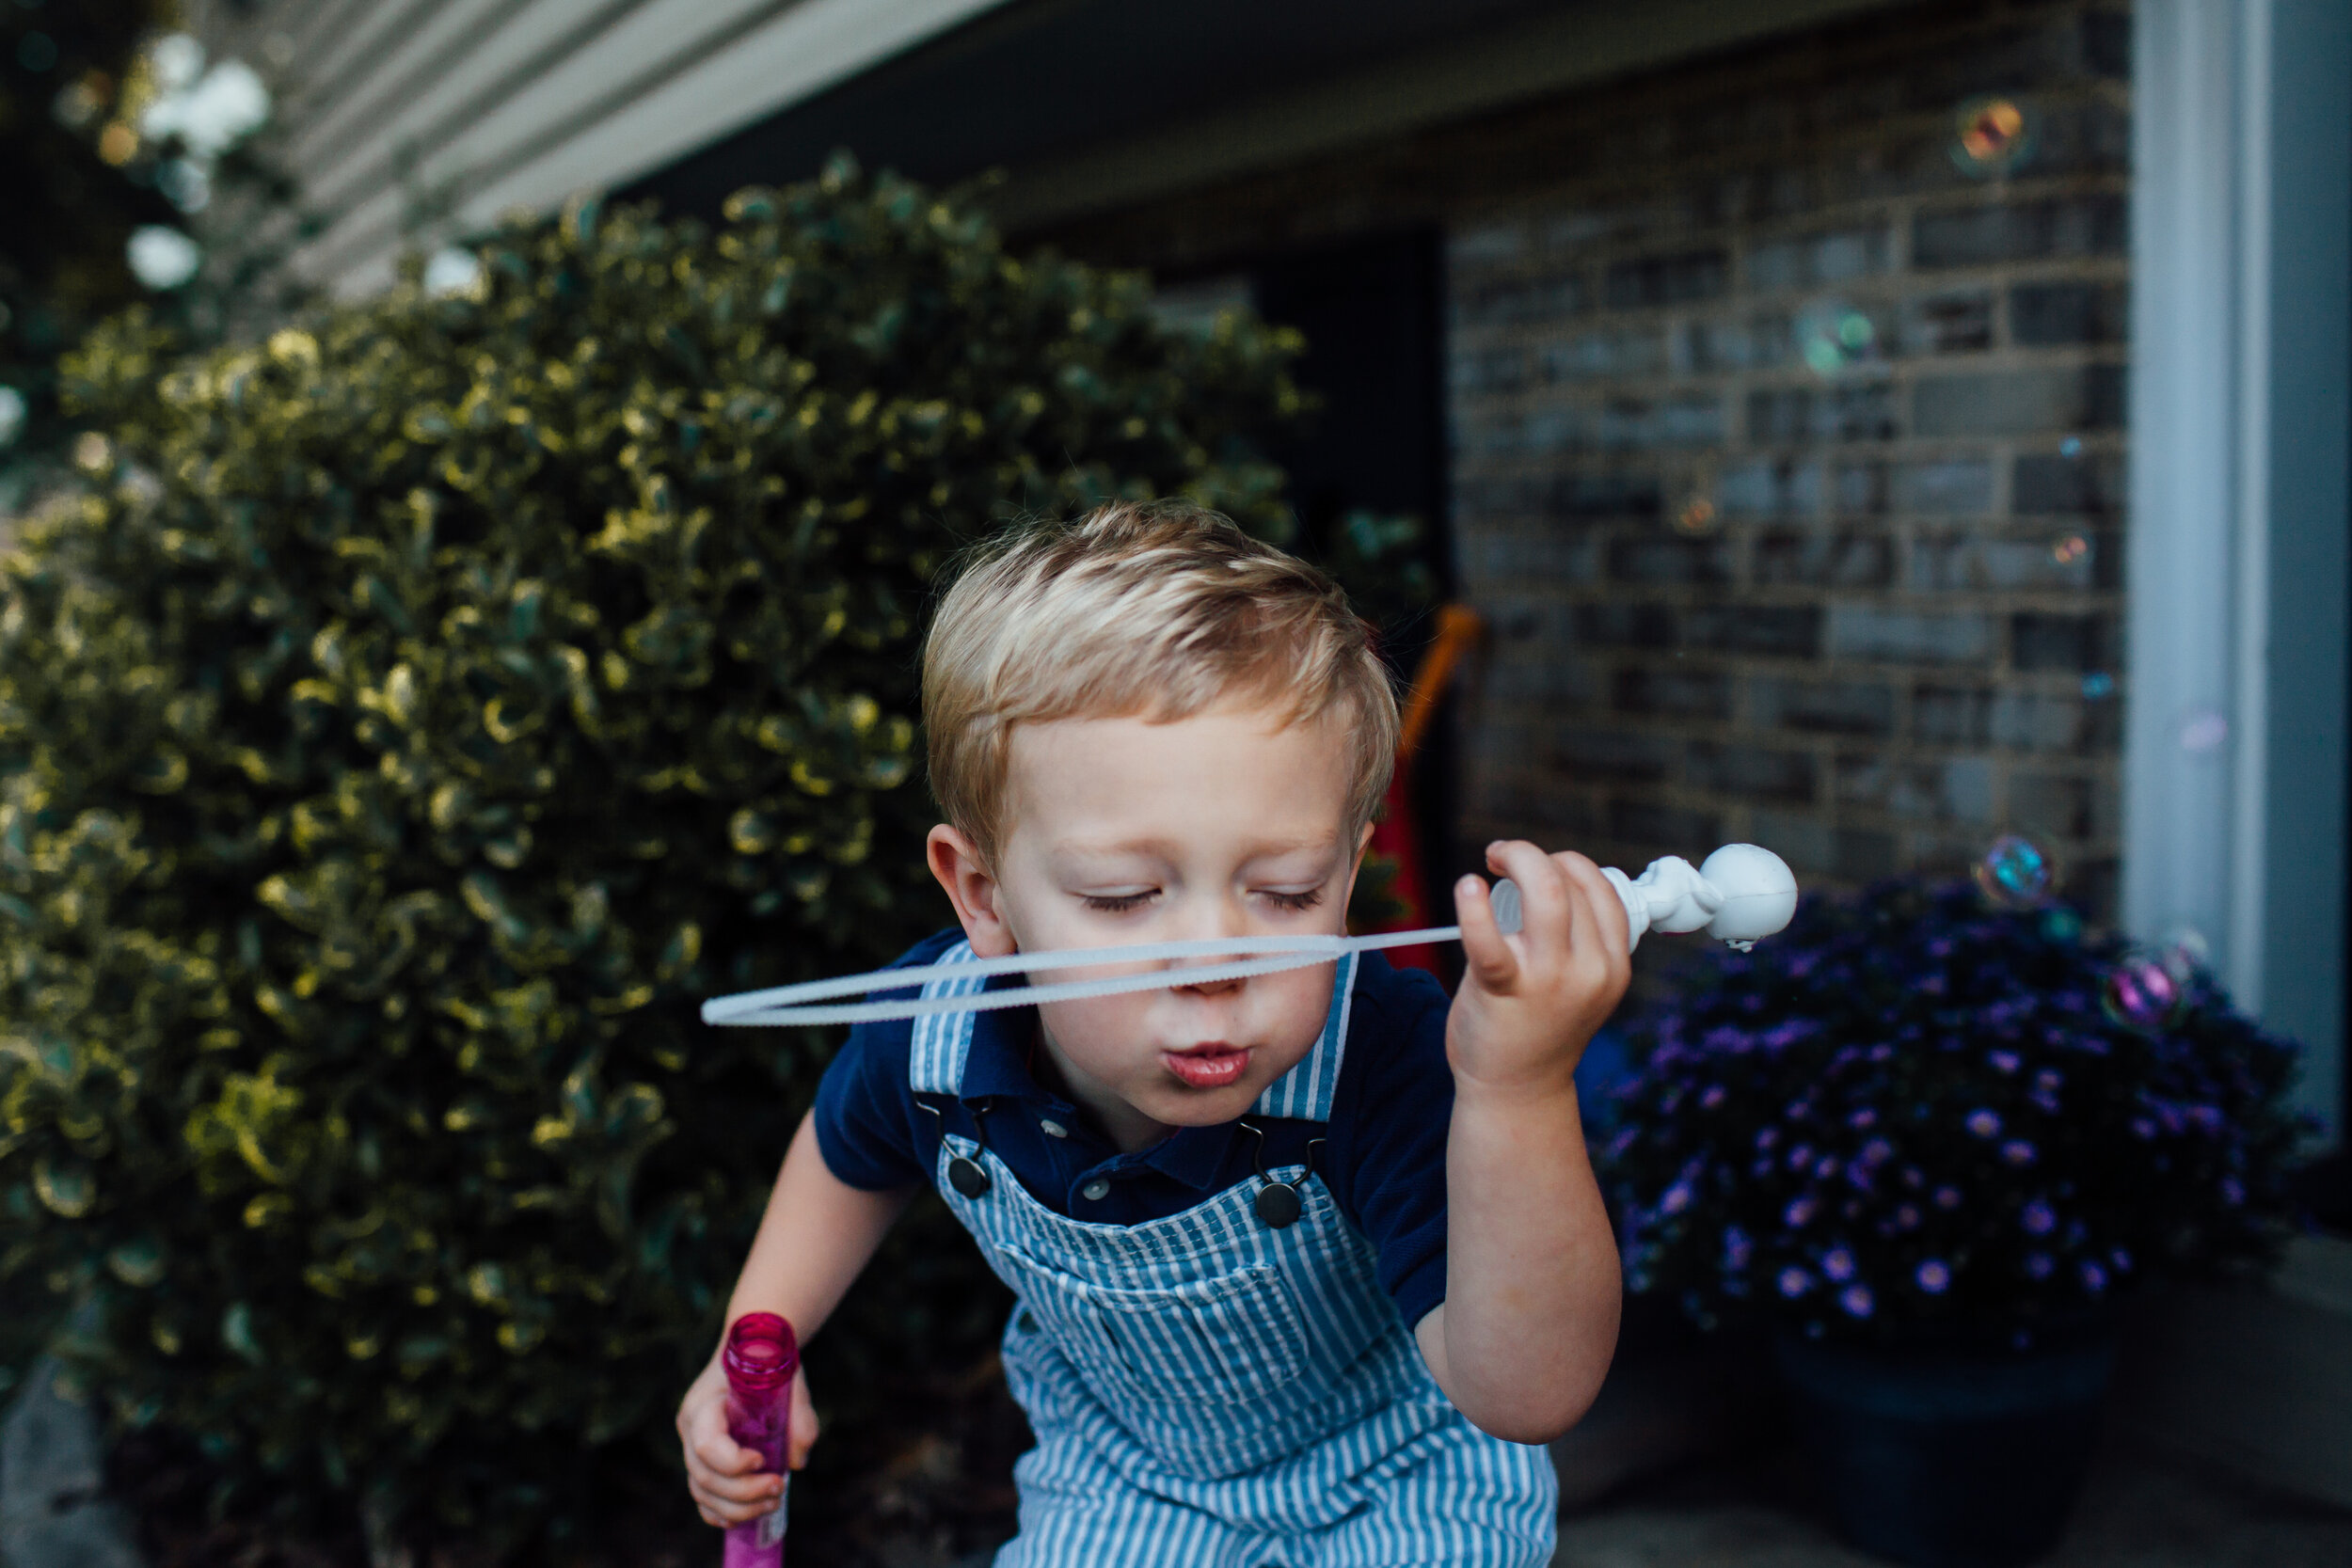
(709,1444)
(724,1475)
(736,1486)
(1491,963)
(1601,912)
(719,1509)
(1543,894)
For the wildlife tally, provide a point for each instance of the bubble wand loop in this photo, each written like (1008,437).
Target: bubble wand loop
(1739,894)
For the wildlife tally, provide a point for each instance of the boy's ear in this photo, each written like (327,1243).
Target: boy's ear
(955,860)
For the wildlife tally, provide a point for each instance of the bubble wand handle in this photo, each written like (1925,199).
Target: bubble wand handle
(760,1359)
(1740,894)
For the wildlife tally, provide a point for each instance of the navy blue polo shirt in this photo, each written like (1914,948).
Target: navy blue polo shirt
(1382,1157)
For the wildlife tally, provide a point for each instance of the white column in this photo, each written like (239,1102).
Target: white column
(2235,765)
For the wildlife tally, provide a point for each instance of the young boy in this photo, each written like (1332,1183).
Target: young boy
(1306,1262)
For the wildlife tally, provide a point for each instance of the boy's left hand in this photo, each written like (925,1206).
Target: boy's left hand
(1530,1002)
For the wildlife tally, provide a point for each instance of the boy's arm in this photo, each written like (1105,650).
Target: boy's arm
(1528,1322)
(818,1232)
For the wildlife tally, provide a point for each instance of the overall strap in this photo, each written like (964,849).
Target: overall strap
(1305,1091)
(943,1040)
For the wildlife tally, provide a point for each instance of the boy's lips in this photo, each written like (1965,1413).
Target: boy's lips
(1212,1065)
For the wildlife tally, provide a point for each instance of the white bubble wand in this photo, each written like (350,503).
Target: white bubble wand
(1739,894)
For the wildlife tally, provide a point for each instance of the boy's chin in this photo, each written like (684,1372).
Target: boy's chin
(1181,1108)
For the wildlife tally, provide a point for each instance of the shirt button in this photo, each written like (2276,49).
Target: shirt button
(1052,1129)
(1095,1191)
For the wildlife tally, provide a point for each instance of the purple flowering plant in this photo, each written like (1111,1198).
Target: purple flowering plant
(1912,1109)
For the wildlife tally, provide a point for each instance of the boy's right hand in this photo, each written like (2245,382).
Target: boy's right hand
(725,1478)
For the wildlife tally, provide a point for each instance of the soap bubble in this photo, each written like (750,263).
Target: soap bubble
(162,258)
(2141,992)
(1691,507)
(2184,952)
(2071,447)
(12,412)
(1992,135)
(2098,685)
(2070,549)
(453,270)
(2204,732)
(2014,874)
(1832,335)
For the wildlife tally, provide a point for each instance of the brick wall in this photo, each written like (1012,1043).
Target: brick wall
(1863,609)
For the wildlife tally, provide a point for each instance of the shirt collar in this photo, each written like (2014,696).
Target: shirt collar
(996,1067)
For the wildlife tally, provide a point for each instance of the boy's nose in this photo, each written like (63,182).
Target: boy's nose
(1211,987)
(1219,922)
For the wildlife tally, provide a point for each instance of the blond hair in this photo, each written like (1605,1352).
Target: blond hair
(1158,610)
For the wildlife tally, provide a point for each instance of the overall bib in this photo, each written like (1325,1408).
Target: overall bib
(1211,1391)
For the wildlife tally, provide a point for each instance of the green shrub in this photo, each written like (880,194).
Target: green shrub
(417,715)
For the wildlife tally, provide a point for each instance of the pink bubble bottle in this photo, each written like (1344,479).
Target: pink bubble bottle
(760,1358)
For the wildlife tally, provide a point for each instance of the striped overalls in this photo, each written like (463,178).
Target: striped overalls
(1208,1389)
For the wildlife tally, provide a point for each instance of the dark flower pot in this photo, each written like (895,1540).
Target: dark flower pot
(1949,1457)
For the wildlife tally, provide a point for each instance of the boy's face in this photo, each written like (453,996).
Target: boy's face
(1121,831)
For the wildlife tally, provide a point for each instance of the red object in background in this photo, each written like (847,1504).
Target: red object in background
(1394,837)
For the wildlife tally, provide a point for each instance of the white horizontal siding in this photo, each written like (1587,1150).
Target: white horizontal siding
(492,104)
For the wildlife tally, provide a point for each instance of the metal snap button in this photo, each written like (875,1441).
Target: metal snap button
(966,1177)
(1277,1205)
(1051,1128)
(1095,1191)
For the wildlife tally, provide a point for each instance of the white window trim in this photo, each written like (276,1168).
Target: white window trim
(2237,558)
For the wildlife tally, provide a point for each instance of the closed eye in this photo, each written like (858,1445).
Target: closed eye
(1297,902)
(1117,903)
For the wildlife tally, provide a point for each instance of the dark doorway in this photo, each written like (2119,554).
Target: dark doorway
(1371,312)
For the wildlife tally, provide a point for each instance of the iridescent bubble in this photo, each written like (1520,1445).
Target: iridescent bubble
(2141,992)
(2070,549)
(2183,950)
(1992,135)
(2204,732)
(2098,686)
(1832,335)
(2014,874)
(2071,447)
(2061,923)
(1691,507)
